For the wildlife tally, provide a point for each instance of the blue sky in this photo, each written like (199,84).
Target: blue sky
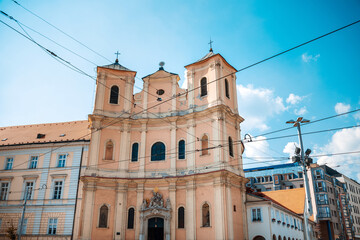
(314,81)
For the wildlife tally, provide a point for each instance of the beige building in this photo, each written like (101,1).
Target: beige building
(164,163)
(41,163)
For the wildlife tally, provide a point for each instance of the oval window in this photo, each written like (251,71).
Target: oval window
(160,92)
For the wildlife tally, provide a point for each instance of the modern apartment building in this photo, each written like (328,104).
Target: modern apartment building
(41,163)
(352,196)
(325,191)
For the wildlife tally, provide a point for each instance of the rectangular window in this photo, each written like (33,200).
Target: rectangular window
(61,160)
(300,175)
(52,225)
(318,174)
(57,189)
(9,163)
(322,199)
(324,212)
(321,186)
(33,161)
(4,190)
(28,190)
(290,176)
(256,214)
(24,226)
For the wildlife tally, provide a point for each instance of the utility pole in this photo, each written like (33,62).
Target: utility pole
(308,208)
(23,212)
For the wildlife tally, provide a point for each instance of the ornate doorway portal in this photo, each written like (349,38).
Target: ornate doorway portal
(156,228)
(155,218)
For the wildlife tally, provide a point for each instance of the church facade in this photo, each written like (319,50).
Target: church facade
(165,163)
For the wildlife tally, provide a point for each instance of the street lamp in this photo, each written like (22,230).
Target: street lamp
(304,162)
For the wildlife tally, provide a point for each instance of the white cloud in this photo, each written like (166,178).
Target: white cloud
(357,116)
(300,111)
(290,148)
(307,58)
(257,105)
(257,151)
(294,99)
(342,108)
(345,140)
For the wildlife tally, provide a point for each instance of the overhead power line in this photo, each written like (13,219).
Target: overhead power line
(68,35)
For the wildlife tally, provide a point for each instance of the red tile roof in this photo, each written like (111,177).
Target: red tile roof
(54,132)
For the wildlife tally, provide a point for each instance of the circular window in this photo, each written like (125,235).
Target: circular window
(160,92)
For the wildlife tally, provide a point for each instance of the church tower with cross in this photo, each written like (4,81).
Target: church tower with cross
(164,163)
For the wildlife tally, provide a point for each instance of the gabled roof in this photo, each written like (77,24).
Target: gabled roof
(209,56)
(117,66)
(45,133)
(161,73)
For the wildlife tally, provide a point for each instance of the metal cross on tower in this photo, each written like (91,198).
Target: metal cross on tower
(210,45)
(117,56)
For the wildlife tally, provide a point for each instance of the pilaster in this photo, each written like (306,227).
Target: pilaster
(142,150)
(229,211)
(89,195)
(190,159)
(145,103)
(172,196)
(120,211)
(219,209)
(190,210)
(173,153)
(139,200)
(94,143)
(190,85)
(124,150)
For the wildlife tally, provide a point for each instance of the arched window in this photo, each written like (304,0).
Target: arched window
(203,85)
(279,238)
(181,149)
(135,152)
(103,216)
(284,238)
(204,145)
(205,215)
(114,95)
(227,88)
(231,150)
(131,218)
(274,237)
(109,150)
(181,217)
(158,151)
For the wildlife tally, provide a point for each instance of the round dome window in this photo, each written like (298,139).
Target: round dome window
(160,92)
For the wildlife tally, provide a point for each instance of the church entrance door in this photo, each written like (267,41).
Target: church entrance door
(156,228)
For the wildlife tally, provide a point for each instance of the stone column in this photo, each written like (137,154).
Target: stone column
(172,196)
(142,159)
(100,93)
(190,210)
(234,92)
(89,196)
(243,208)
(173,92)
(145,100)
(229,213)
(238,147)
(120,211)
(216,124)
(191,85)
(95,143)
(173,149)
(139,200)
(124,150)
(225,136)
(128,93)
(219,209)
(191,145)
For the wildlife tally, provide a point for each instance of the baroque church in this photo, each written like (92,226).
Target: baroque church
(164,163)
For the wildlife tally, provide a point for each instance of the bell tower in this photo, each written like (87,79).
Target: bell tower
(114,90)
(214,82)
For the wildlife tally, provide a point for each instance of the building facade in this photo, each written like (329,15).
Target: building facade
(41,163)
(325,192)
(269,219)
(165,163)
(351,210)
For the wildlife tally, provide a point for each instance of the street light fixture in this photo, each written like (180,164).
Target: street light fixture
(304,160)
